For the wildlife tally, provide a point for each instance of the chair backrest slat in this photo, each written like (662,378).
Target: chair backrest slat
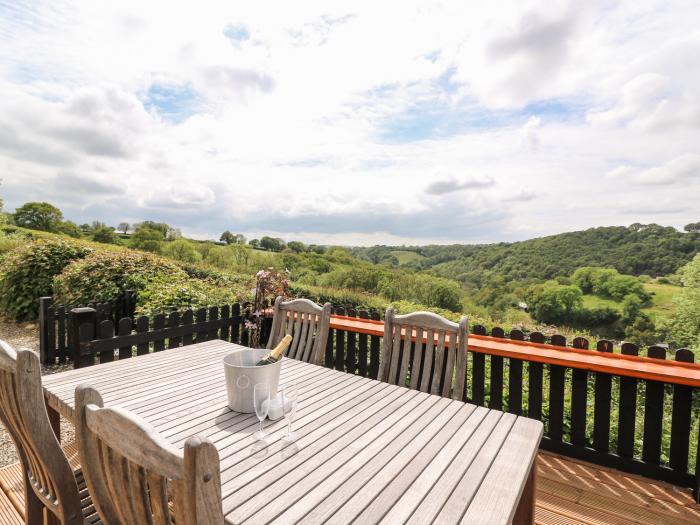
(417,365)
(129,468)
(438,368)
(23,413)
(307,322)
(428,358)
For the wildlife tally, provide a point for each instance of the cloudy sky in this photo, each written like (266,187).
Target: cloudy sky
(354,122)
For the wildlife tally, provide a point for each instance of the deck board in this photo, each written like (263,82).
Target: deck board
(645,501)
(572,492)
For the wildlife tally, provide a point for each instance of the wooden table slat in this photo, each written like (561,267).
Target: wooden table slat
(366,450)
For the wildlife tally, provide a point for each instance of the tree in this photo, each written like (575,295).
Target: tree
(554,303)
(296,246)
(254,243)
(273,244)
(167,231)
(683,327)
(240,238)
(123,227)
(642,331)
(631,308)
(38,216)
(70,228)
(182,250)
(241,254)
(693,227)
(227,237)
(105,234)
(148,239)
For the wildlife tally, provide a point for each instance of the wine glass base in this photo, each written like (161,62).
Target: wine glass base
(260,435)
(290,437)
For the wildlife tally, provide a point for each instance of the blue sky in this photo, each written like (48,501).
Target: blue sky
(368,123)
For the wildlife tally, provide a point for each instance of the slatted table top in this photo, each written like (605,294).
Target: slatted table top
(366,451)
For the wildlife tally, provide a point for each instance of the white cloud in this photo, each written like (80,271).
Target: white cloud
(684,169)
(453,184)
(529,137)
(215,114)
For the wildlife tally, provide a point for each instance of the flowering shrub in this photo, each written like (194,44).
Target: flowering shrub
(270,284)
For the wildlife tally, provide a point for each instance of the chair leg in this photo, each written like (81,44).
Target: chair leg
(33,507)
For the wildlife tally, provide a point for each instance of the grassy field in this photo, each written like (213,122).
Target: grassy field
(662,300)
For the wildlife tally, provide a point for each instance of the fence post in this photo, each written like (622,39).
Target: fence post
(46,345)
(83,328)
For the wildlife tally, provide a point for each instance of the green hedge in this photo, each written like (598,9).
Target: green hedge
(102,276)
(27,273)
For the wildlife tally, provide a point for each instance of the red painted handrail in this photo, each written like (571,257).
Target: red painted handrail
(672,372)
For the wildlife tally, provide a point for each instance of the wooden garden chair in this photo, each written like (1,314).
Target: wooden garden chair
(53,490)
(135,476)
(307,322)
(426,352)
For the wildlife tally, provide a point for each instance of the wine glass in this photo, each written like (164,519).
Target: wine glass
(289,395)
(261,400)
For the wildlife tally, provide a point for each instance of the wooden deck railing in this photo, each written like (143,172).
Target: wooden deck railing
(635,413)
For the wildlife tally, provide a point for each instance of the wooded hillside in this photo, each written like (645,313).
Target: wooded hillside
(635,250)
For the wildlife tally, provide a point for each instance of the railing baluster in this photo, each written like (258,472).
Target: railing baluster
(235,324)
(158,324)
(60,345)
(680,418)
(535,373)
(556,395)
(601,404)
(653,413)
(374,350)
(47,345)
(579,392)
(105,330)
(351,353)
(515,378)
(478,371)
(141,328)
(340,344)
(187,319)
(626,421)
(214,316)
(200,316)
(173,322)
(328,361)
(226,323)
(362,343)
(124,328)
(496,375)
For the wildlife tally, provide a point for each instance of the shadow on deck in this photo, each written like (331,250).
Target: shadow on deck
(569,492)
(572,492)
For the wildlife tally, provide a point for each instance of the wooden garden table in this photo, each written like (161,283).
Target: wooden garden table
(366,450)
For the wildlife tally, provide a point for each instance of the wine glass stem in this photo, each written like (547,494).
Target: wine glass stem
(261,427)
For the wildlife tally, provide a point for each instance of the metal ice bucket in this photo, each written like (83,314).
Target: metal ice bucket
(242,375)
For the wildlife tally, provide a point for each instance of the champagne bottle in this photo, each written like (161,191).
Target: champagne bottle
(275,354)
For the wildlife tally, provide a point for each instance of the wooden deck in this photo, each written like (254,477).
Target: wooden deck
(569,492)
